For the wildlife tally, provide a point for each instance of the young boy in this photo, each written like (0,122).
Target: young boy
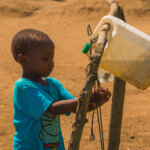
(38,99)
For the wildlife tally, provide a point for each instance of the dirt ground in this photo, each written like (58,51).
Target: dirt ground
(65,22)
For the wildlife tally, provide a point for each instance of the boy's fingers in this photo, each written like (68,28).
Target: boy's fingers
(106,98)
(104,90)
(109,93)
(105,93)
(91,106)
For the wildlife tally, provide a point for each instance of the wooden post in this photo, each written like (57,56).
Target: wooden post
(116,114)
(117,107)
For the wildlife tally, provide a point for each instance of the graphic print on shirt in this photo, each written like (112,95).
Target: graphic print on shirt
(50,130)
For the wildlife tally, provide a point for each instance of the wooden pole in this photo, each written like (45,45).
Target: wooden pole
(117,107)
(116,114)
(86,91)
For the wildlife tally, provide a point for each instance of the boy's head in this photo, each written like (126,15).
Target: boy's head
(34,50)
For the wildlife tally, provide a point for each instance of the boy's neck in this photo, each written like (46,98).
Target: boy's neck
(34,78)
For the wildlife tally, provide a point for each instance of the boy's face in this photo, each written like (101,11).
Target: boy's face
(39,60)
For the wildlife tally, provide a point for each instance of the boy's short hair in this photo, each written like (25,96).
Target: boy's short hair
(22,41)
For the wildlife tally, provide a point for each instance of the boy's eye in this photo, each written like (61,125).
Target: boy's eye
(46,58)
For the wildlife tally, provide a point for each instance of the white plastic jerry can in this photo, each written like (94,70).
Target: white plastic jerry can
(127,53)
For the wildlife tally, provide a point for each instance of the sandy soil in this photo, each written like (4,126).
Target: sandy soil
(65,22)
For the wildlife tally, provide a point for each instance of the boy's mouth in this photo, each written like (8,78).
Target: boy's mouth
(49,70)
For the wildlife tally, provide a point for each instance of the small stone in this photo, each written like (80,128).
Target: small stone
(132,137)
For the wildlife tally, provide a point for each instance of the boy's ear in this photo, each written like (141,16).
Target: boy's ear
(21,58)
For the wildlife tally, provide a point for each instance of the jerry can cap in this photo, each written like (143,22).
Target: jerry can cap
(86,48)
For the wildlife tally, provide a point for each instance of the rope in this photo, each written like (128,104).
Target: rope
(92,136)
(92,41)
(96,85)
(99,116)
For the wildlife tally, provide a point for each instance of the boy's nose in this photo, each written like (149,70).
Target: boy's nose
(51,62)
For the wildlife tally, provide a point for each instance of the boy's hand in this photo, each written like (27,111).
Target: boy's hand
(98,97)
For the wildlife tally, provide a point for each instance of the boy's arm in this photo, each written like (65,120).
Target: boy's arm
(63,107)
(67,106)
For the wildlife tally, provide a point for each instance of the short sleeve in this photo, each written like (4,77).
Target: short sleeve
(63,94)
(33,101)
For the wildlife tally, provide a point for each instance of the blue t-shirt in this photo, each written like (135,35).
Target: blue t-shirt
(36,130)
